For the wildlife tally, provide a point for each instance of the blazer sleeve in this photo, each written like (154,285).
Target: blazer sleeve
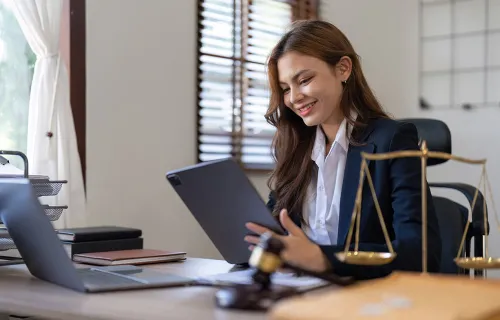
(405,181)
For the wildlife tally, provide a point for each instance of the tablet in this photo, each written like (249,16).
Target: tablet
(222,199)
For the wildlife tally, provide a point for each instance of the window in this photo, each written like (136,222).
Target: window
(460,50)
(16,72)
(235,38)
(17,62)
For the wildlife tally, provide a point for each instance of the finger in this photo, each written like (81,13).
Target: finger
(256,228)
(252,239)
(289,225)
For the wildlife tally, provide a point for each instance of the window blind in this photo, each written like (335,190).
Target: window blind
(235,38)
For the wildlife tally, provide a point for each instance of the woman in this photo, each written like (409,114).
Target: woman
(325,115)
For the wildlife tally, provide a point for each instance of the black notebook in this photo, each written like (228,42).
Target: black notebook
(98,233)
(73,248)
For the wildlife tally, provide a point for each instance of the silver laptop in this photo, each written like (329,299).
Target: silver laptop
(46,259)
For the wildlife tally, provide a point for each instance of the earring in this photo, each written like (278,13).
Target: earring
(344,82)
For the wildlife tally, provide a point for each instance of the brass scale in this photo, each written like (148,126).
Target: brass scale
(380,258)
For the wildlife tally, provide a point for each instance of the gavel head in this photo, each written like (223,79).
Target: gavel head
(266,259)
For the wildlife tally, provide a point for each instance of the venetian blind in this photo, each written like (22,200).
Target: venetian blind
(235,38)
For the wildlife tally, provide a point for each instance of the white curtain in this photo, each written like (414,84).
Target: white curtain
(50,110)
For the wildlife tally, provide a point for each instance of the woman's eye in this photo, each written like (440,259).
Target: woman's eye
(286,90)
(305,81)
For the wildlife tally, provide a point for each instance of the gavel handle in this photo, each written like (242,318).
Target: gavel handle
(330,277)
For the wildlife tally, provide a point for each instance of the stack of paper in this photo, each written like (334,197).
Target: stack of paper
(7,169)
(280,278)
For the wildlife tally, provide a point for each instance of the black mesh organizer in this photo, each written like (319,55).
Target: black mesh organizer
(43,187)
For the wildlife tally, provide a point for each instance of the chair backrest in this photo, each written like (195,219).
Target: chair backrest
(452,216)
(436,133)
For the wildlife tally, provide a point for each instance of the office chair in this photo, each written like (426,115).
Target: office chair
(452,217)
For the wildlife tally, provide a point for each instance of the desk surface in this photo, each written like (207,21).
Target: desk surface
(22,294)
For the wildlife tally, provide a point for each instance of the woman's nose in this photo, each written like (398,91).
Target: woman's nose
(295,96)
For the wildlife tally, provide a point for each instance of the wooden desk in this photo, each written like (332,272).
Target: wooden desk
(22,294)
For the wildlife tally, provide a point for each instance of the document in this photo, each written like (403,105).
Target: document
(9,170)
(279,278)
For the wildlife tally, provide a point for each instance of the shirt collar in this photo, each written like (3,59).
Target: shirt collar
(342,138)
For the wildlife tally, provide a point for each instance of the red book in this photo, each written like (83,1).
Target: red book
(133,257)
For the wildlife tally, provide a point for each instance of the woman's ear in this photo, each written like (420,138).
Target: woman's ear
(344,68)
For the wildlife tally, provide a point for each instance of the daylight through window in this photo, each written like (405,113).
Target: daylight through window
(235,39)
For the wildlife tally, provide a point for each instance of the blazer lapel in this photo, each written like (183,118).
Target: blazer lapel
(296,219)
(351,182)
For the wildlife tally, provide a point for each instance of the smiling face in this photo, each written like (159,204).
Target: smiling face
(312,88)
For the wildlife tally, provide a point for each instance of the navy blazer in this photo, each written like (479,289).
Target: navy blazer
(397,183)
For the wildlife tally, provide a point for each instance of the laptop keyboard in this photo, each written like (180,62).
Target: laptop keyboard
(92,278)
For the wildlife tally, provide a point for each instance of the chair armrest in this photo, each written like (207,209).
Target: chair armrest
(468,191)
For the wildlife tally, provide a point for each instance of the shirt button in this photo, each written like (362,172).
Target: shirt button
(321,188)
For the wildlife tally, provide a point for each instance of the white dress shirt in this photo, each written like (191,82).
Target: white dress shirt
(321,206)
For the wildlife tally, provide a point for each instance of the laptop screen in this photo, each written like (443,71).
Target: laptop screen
(34,235)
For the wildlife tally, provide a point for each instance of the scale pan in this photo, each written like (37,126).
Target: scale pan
(366,258)
(478,263)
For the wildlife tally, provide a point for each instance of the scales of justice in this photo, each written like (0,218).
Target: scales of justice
(380,258)
(385,295)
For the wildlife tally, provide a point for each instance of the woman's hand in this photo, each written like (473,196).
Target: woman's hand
(299,250)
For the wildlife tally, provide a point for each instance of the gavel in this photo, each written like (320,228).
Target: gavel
(266,260)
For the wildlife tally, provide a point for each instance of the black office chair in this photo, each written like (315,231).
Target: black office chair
(452,217)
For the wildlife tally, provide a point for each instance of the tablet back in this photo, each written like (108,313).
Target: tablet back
(222,199)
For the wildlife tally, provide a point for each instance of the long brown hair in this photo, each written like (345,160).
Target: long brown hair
(293,141)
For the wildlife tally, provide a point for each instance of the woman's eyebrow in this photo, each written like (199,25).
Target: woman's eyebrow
(296,75)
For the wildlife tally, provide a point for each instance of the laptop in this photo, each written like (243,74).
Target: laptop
(222,199)
(46,259)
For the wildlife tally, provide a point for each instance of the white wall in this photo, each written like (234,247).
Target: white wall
(141,118)
(385,34)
